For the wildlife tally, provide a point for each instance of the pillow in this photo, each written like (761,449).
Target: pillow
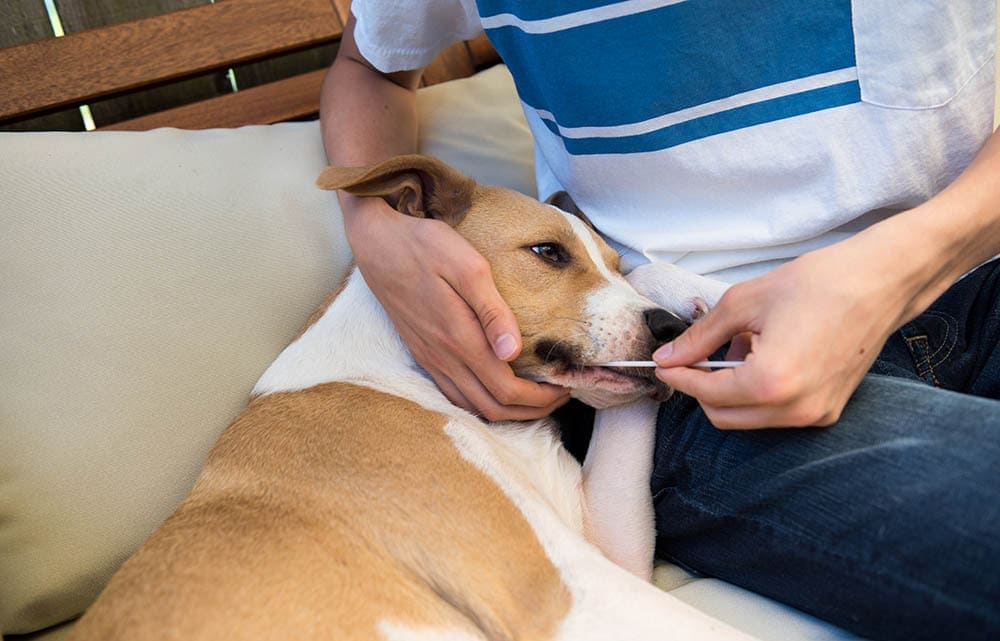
(148,279)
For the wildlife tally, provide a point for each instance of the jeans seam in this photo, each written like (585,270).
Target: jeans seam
(949,339)
(921,357)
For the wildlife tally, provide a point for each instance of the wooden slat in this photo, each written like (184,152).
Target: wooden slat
(80,15)
(89,64)
(26,21)
(453,62)
(255,74)
(287,99)
(343,9)
(482,52)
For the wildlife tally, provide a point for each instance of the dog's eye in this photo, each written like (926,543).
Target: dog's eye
(552,252)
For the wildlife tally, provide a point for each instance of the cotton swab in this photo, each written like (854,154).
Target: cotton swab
(711,364)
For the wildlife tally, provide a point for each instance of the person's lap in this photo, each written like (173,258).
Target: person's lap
(886,523)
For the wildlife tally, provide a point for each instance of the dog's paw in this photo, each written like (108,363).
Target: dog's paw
(683,293)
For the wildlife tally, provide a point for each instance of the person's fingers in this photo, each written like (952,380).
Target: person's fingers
(721,388)
(450,390)
(702,339)
(507,389)
(755,417)
(489,407)
(739,347)
(474,284)
(467,360)
(441,297)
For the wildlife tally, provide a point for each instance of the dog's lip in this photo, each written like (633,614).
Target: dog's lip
(644,373)
(572,375)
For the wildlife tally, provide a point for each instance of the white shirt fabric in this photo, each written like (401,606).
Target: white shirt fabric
(727,137)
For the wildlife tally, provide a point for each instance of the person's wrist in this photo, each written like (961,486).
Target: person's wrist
(361,216)
(914,264)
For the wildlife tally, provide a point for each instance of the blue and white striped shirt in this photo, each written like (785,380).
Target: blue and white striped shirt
(727,135)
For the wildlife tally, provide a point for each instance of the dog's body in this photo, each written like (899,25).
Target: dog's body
(351,500)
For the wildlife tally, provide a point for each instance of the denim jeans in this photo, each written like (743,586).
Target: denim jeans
(887,523)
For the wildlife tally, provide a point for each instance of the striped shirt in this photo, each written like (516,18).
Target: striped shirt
(727,136)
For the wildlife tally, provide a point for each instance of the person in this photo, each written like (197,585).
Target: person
(835,161)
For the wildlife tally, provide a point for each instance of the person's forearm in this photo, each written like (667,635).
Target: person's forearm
(366,116)
(931,246)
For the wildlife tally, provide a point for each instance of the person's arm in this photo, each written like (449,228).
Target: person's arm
(811,328)
(436,288)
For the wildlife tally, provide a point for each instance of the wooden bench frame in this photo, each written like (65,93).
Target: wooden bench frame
(47,75)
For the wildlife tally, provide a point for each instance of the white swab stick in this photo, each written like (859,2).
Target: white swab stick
(713,364)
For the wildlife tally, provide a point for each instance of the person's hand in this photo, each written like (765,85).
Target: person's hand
(809,331)
(440,295)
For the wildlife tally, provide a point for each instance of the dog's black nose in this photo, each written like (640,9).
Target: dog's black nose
(663,325)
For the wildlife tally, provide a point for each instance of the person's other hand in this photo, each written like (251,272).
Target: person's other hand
(440,295)
(808,331)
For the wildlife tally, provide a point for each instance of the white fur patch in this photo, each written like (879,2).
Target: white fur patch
(354,342)
(676,290)
(397,632)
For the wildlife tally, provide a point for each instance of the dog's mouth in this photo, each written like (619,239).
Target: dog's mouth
(563,366)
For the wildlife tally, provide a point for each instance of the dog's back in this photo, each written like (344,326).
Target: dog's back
(304,519)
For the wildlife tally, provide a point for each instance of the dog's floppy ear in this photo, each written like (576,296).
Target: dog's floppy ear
(565,202)
(415,185)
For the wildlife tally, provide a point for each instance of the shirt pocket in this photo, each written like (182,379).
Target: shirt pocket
(918,54)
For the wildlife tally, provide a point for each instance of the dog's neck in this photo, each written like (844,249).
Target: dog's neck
(354,341)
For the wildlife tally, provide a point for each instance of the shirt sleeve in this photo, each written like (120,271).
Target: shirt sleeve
(398,35)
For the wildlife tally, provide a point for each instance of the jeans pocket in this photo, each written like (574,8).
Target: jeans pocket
(918,54)
(931,339)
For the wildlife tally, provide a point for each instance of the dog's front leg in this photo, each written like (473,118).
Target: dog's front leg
(686,294)
(619,511)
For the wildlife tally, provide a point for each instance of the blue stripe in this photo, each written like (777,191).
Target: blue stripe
(540,9)
(637,67)
(762,112)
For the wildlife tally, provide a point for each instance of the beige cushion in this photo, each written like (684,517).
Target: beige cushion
(147,281)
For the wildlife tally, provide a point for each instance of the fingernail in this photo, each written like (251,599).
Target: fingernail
(664,352)
(504,346)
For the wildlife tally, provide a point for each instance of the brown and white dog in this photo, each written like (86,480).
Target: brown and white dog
(351,500)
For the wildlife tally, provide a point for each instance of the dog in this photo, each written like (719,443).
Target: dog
(352,500)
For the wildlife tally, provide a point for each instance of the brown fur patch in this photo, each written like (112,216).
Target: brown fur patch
(420,186)
(547,300)
(307,523)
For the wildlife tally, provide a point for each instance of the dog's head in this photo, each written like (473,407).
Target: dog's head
(558,276)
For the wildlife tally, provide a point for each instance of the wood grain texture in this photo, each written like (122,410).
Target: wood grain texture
(152,49)
(90,64)
(482,52)
(453,62)
(24,21)
(255,74)
(343,9)
(80,15)
(287,99)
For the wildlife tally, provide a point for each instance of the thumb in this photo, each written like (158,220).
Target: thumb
(498,322)
(700,340)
